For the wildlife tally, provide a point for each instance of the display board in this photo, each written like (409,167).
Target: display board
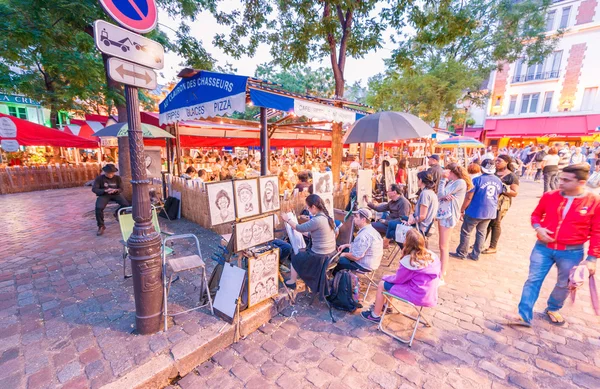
(263,276)
(246,198)
(228,293)
(364,187)
(254,232)
(220,200)
(269,193)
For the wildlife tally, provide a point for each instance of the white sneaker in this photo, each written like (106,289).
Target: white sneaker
(441,283)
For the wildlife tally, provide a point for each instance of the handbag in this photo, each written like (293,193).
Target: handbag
(444,210)
(401,231)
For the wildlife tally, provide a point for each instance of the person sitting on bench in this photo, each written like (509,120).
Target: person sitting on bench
(108,187)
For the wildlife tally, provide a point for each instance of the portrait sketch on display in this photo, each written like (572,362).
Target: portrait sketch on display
(220,200)
(246,198)
(388,173)
(364,187)
(328,200)
(269,193)
(263,276)
(322,183)
(253,232)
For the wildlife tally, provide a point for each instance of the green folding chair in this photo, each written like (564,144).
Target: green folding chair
(126,223)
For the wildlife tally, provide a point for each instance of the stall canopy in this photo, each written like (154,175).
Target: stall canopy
(550,126)
(207,94)
(32,134)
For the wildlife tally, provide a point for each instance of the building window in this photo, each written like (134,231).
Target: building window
(18,112)
(529,103)
(555,59)
(564,19)
(513,105)
(498,101)
(589,97)
(550,20)
(547,101)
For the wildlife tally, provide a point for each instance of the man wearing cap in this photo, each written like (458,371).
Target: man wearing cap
(479,208)
(108,187)
(366,250)
(435,170)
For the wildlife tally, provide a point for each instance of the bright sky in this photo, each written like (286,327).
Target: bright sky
(205,27)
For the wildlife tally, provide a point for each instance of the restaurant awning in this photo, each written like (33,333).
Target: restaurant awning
(209,94)
(538,127)
(27,133)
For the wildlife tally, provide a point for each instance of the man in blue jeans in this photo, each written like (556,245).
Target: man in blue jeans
(479,208)
(564,220)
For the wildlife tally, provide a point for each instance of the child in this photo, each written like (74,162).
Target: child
(416,279)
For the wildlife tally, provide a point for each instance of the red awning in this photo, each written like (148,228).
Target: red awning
(32,134)
(553,126)
(204,141)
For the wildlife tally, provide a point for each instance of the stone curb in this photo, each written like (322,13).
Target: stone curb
(185,356)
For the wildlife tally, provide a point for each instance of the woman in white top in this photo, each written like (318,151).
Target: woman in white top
(550,169)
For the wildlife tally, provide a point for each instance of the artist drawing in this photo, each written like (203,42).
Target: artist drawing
(269,193)
(246,198)
(263,276)
(254,232)
(220,199)
(322,183)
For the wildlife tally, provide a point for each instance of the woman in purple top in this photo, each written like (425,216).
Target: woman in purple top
(416,280)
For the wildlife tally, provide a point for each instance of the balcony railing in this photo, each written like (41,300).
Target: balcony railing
(536,76)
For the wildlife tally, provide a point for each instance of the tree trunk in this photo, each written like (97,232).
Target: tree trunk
(53,117)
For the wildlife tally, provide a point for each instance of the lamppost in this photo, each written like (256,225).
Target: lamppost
(466,105)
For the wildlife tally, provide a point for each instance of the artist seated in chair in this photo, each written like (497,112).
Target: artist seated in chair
(415,281)
(397,207)
(308,263)
(366,250)
(108,187)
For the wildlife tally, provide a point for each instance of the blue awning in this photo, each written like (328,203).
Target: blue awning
(203,95)
(209,94)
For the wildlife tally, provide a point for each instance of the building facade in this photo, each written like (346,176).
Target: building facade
(23,108)
(555,100)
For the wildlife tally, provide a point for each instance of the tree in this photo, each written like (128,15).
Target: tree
(47,53)
(299,79)
(301,31)
(454,47)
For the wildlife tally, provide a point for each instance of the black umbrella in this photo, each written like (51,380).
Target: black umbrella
(387,126)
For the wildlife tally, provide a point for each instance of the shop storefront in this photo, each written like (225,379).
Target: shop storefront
(23,108)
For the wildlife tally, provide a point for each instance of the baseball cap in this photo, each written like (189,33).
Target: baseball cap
(488,166)
(435,156)
(364,212)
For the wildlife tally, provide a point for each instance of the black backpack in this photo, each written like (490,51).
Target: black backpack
(539,156)
(171,209)
(344,291)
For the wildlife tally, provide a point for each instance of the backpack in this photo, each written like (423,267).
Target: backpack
(344,291)
(171,208)
(539,156)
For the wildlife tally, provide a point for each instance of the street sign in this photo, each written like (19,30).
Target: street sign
(131,74)
(136,15)
(118,42)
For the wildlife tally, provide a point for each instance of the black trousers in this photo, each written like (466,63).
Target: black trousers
(102,202)
(495,229)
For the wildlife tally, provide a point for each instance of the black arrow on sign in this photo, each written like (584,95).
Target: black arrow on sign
(124,72)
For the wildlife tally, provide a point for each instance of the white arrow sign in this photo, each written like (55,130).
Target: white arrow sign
(118,42)
(131,74)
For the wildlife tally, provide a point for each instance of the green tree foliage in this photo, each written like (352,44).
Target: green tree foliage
(47,52)
(299,79)
(452,48)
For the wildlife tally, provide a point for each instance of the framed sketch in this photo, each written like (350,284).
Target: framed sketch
(322,183)
(388,174)
(263,276)
(254,232)
(220,201)
(328,200)
(269,193)
(246,197)
(364,187)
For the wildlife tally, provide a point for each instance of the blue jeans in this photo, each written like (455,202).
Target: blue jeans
(467,227)
(285,249)
(541,260)
(391,229)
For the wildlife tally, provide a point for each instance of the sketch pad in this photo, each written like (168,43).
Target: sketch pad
(230,287)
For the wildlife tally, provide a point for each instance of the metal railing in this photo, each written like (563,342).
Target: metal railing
(536,76)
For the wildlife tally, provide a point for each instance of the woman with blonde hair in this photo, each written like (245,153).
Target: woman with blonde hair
(452,189)
(415,281)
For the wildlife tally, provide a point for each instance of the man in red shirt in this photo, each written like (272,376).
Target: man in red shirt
(564,220)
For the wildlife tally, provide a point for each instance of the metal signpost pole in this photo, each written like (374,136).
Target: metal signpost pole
(144,243)
(264,143)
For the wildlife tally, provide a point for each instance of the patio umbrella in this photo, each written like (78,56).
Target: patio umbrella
(120,129)
(460,141)
(387,126)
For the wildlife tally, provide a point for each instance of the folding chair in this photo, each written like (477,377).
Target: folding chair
(420,318)
(369,275)
(126,223)
(394,253)
(178,265)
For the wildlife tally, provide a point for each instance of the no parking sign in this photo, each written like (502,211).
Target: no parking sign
(136,15)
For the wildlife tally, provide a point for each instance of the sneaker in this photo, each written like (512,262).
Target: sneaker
(100,230)
(441,283)
(472,258)
(368,316)
(456,255)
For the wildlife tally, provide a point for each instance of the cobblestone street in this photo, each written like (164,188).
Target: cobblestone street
(66,314)
(469,346)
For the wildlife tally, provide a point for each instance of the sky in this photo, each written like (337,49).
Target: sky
(205,27)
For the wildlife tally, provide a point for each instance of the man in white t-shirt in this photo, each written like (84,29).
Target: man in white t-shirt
(366,250)
(577,157)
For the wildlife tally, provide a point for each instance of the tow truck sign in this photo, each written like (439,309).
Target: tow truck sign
(121,43)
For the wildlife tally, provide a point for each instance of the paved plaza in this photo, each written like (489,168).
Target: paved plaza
(66,317)
(468,347)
